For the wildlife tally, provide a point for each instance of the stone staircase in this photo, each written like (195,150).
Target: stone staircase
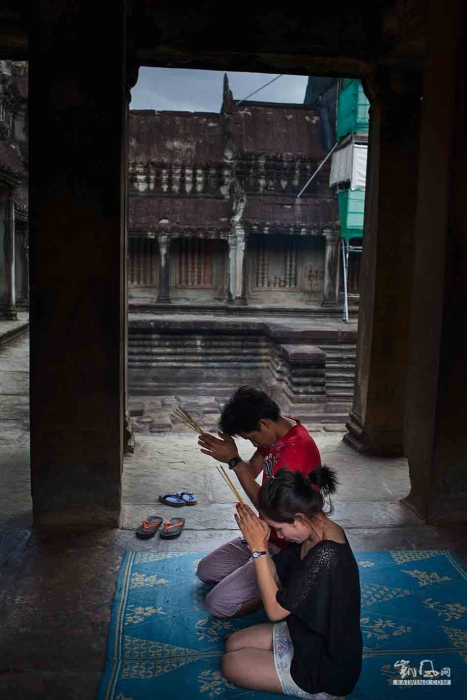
(170,365)
(340,374)
(340,371)
(164,364)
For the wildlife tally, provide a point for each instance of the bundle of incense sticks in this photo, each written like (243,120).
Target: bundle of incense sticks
(185,418)
(223,473)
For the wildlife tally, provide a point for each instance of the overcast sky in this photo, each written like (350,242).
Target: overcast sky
(187,90)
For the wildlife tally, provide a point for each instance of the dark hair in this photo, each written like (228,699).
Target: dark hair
(288,493)
(245,409)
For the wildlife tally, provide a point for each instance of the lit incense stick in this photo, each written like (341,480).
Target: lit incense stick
(190,419)
(189,424)
(230,484)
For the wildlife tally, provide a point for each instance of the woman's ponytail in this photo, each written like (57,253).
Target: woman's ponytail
(288,493)
(325,478)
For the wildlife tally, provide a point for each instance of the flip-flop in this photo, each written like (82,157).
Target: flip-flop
(172,528)
(171,499)
(188,497)
(148,527)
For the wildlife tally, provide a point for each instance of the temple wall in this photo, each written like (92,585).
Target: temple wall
(280,269)
(143,267)
(198,270)
(285,269)
(3,276)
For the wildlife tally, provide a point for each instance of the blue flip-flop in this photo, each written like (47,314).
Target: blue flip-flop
(171,499)
(188,497)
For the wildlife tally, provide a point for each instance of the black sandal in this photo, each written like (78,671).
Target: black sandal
(172,528)
(148,527)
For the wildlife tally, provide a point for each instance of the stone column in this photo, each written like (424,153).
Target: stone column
(436,409)
(22,280)
(7,258)
(132,70)
(232,242)
(78,263)
(376,420)
(240,280)
(331,267)
(163,295)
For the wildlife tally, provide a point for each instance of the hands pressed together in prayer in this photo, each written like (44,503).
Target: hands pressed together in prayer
(223,448)
(255,531)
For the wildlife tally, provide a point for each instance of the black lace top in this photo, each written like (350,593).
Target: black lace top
(322,593)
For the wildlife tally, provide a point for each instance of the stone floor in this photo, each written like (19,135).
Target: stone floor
(56,588)
(11,329)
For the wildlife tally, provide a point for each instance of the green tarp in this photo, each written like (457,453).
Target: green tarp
(351,212)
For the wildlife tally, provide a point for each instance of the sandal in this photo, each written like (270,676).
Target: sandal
(148,527)
(188,497)
(172,528)
(172,499)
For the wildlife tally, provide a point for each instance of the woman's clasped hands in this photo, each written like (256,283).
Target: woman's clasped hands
(255,531)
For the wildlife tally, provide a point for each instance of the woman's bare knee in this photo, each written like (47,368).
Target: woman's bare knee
(251,668)
(255,637)
(230,666)
(234,642)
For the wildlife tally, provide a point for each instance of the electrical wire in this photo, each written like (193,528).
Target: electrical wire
(261,88)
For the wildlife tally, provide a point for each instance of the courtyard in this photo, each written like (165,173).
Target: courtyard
(54,636)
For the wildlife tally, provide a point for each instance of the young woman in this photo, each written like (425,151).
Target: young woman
(310,591)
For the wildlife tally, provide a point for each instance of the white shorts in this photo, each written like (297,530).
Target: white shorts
(283,654)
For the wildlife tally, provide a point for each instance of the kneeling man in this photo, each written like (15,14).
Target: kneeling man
(281,443)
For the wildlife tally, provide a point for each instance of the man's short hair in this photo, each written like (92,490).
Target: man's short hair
(245,409)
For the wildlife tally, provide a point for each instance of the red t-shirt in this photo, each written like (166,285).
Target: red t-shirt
(295,451)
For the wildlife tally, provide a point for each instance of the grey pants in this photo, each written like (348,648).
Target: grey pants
(232,568)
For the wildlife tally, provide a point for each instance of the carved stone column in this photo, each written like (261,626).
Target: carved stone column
(237,242)
(163,295)
(232,243)
(7,241)
(377,417)
(331,267)
(240,294)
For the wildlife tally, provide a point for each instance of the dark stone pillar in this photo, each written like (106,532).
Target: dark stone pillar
(163,296)
(331,267)
(435,434)
(7,258)
(132,70)
(77,257)
(22,267)
(376,420)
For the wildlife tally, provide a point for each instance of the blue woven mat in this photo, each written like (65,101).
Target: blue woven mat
(163,645)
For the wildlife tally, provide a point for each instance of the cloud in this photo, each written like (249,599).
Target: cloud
(183,90)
